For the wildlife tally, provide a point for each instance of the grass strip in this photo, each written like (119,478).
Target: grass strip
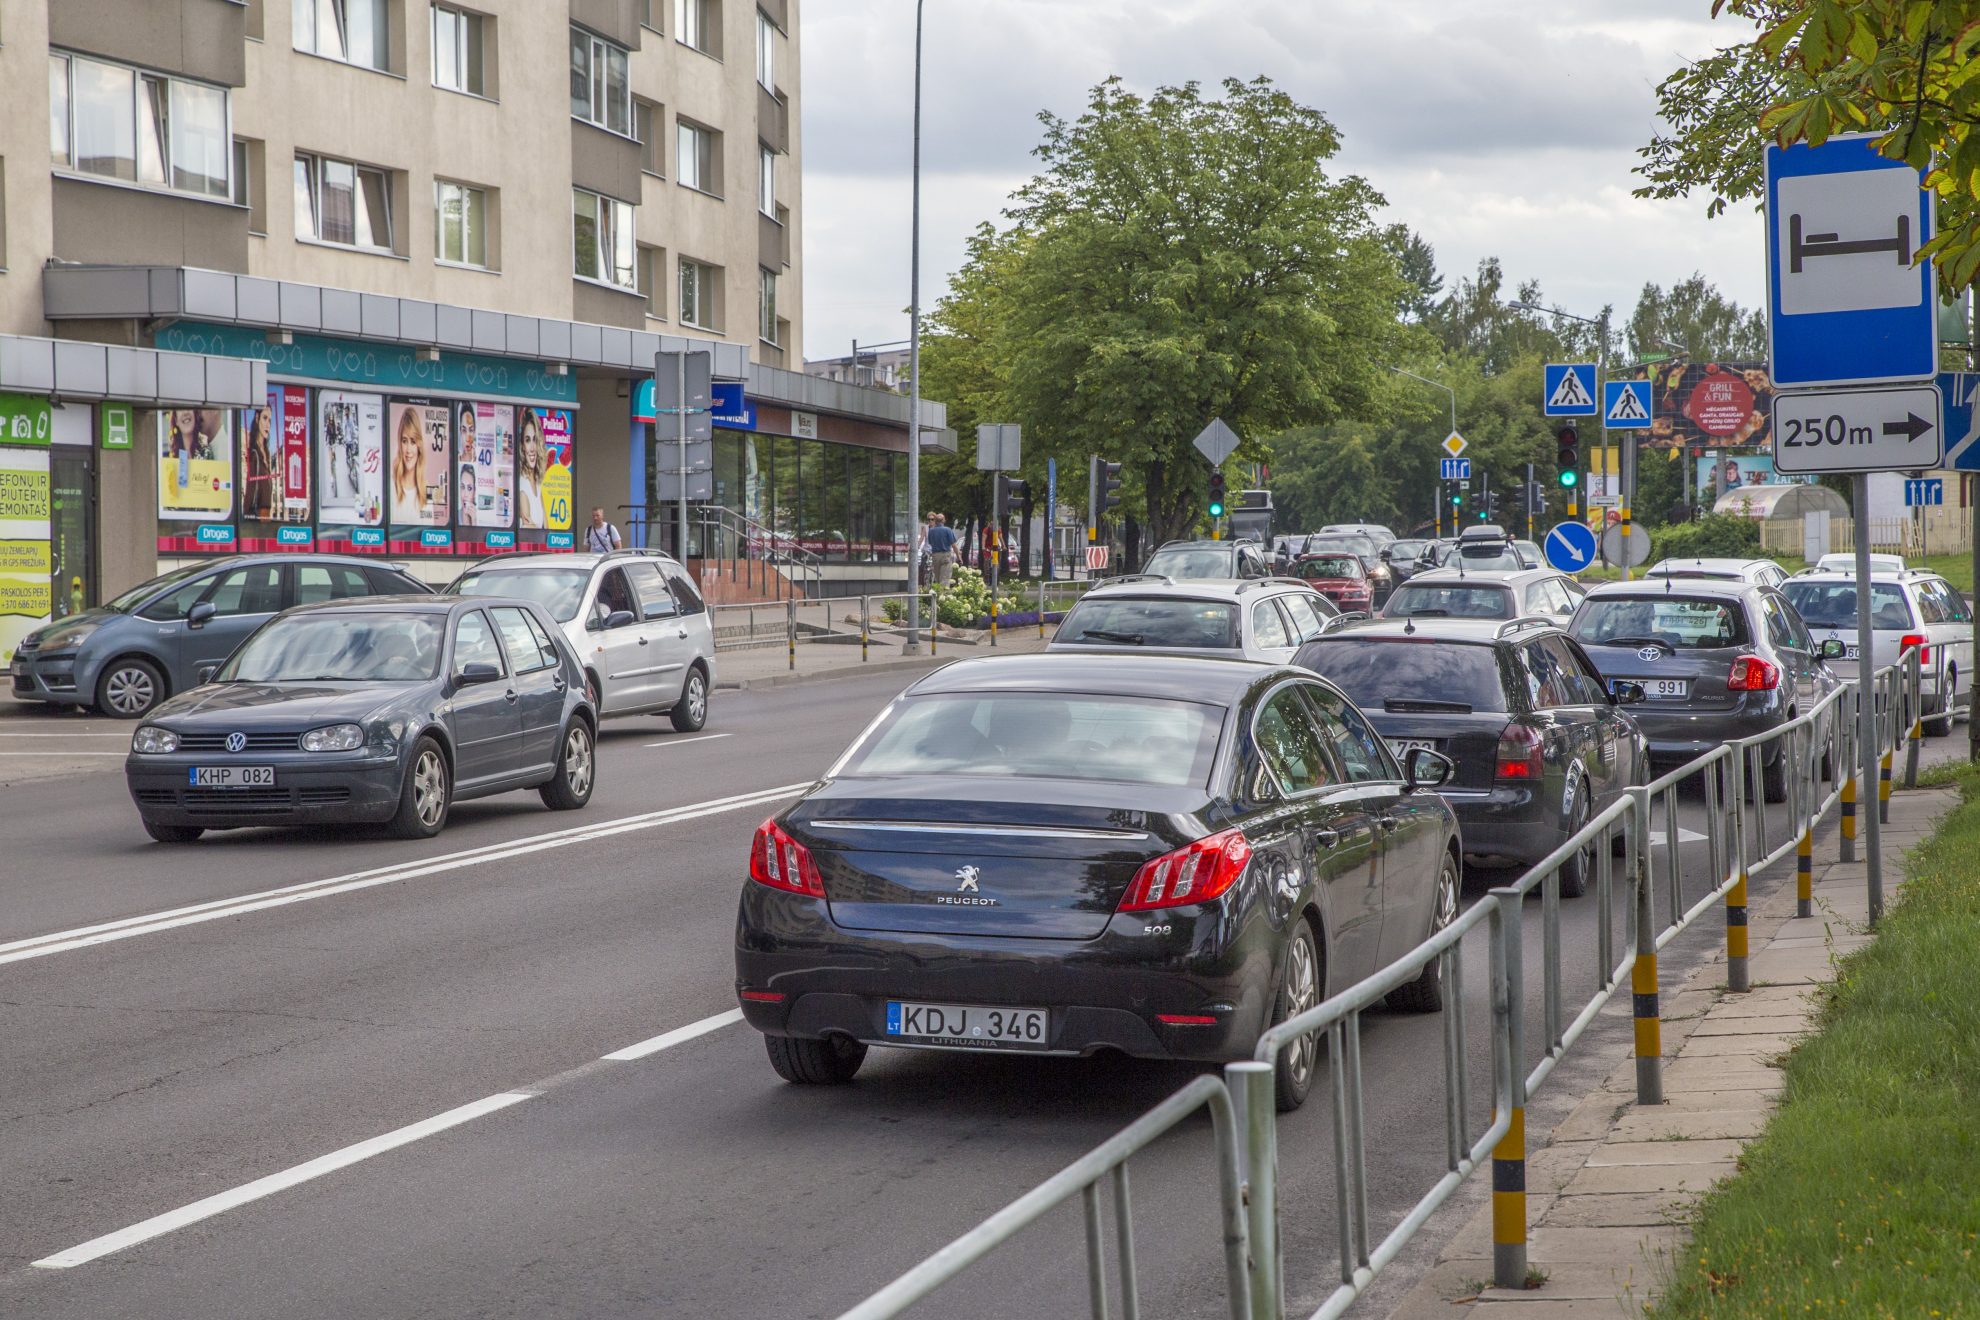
(1862,1196)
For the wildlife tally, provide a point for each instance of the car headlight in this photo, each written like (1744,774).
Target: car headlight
(150,740)
(333,738)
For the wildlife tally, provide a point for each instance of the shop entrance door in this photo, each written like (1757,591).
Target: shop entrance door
(71,529)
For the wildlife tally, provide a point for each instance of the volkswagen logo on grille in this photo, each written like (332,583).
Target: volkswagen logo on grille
(237,742)
(1649,653)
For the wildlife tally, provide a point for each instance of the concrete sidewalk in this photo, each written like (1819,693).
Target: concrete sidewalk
(1609,1191)
(771,666)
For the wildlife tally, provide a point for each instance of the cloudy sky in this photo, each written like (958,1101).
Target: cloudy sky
(1494,127)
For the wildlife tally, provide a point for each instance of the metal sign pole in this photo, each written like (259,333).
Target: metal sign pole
(1866,698)
(681,429)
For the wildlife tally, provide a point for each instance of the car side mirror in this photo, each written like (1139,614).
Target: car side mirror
(1625,693)
(197,616)
(1387,557)
(206,673)
(1833,649)
(476,673)
(1423,768)
(618,619)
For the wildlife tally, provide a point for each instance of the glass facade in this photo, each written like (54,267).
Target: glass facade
(844,503)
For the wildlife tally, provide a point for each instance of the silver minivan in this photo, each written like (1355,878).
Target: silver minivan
(635,618)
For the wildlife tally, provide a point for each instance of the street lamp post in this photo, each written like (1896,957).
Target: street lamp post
(1438,504)
(913,645)
(1626,452)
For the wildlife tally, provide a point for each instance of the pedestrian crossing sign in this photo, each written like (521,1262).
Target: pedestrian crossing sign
(1626,405)
(1568,389)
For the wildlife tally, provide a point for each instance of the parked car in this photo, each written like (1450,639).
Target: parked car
(1062,854)
(1908,607)
(1381,578)
(1256,620)
(1459,592)
(386,710)
(634,618)
(1539,743)
(1341,577)
(1845,562)
(1487,548)
(1223,560)
(128,654)
(1759,572)
(1716,661)
(1531,554)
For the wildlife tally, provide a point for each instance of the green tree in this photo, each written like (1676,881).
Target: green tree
(1416,261)
(1809,69)
(1177,258)
(1704,323)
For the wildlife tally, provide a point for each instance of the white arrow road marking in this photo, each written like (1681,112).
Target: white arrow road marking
(1657,837)
(40,946)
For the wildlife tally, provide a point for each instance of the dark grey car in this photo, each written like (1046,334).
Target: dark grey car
(386,711)
(1716,660)
(130,653)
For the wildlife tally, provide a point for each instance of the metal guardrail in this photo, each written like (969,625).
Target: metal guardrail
(864,620)
(1824,739)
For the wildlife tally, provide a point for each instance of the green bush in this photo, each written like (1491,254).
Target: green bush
(967,599)
(1710,536)
(893,611)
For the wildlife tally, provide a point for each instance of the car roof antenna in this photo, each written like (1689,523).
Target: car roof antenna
(1409,625)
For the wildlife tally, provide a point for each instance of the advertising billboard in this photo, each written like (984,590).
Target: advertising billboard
(25,594)
(485,473)
(350,440)
(543,469)
(196,465)
(421,467)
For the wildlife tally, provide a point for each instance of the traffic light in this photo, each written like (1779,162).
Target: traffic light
(1103,492)
(1009,491)
(1457,496)
(1568,457)
(1216,494)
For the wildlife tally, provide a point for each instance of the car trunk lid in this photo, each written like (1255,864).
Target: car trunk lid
(1681,679)
(1470,739)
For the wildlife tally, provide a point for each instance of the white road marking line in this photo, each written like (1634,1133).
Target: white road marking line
(83,937)
(666,1040)
(677,742)
(221,1202)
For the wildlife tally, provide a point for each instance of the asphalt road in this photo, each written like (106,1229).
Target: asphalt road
(181,1023)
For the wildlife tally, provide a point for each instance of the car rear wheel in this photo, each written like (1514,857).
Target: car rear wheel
(833,1061)
(129,688)
(1773,778)
(1292,1075)
(426,795)
(577,770)
(690,713)
(1938,726)
(1426,993)
(1575,870)
(172,833)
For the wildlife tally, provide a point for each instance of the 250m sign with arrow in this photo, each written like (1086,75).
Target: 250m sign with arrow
(1889,429)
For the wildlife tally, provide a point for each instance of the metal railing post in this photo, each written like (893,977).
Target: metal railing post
(1251,1086)
(1916,679)
(790,629)
(1096,1253)
(1124,1245)
(1643,974)
(1509,1156)
(934,621)
(1851,764)
(1041,609)
(1738,979)
(865,625)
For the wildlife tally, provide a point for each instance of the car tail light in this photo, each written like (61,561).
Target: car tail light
(778,860)
(1752,674)
(1917,640)
(1522,755)
(763,996)
(1193,874)
(1186,1019)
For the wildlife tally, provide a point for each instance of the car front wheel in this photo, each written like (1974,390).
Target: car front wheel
(426,795)
(690,713)
(577,770)
(129,688)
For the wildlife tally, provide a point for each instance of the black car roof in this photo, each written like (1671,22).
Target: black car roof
(1171,677)
(1431,629)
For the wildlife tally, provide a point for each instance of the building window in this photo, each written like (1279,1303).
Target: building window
(120,123)
(766,308)
(354,31)
(653,280)
(457,50)
(697,295)
(766,181)
(649,13)
(602,239)
(647,119)
(601,90)
(695,157)
(250,189)
(766,51)
(460,224)
(696,23)
(343,203)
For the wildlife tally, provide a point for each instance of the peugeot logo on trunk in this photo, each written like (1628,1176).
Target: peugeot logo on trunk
(237,742)
(968,877)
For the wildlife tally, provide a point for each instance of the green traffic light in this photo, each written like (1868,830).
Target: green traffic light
(1216,510)
(1570,477)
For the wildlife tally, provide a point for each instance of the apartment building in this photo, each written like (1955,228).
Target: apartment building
(389,276)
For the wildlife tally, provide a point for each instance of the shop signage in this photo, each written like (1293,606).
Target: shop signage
(292,536)
(391,368)
(435,538)
(115,424)
(26,597)
(804,425)
(501,540)
(367,536)
(560,540)
(731,408)
(25,419)
(216,533)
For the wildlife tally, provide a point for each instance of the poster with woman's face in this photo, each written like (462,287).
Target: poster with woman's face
(350,456)
(485,473)
(532,467)
(196,464)
(418,471)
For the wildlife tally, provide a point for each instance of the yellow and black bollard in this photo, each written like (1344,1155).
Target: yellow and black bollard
(1804,874)
(1737,976)
(1509,1204)
(1884,789)
(1649,1028)
(1849,818)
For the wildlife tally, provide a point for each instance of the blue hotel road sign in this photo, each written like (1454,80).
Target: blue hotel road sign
(1454,469)
(1567,389)
(1845,304)
(1626,405)
(1570,547)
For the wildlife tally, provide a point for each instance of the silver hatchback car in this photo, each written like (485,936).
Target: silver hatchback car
(1266,620)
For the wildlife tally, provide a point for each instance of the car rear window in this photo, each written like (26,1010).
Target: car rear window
(1191,564)
(1409,673)
(1135,740)
(1454,600)
(1694,623)
(1329,566)
(558,590)
(1833,604)
(1150,621)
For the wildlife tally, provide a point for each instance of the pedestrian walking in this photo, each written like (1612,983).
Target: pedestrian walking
(601,537)
(942,549)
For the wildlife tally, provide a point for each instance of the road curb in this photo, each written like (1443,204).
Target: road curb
(800,678)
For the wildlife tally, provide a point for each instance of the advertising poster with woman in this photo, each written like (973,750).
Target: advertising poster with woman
(543,469)
(291,408)
(420,472)
(485,475)
(196,465)
(350,445)
(259,474)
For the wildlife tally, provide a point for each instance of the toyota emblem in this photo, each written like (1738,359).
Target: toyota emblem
(1649,653)
(237,742)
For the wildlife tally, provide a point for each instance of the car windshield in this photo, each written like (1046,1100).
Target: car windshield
(340,648)
(1150,621)
(559,590)
(144,591)
(1330,545)
(1329,566)
(1683,623)
(1833,604)
(1192,563)
(1409,673)
(1073,735)
(1406,549)
(1453,600)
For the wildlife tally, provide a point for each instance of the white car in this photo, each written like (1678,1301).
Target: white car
(1263,619)
(1756,572)
(640,629)
(1908,606)
(1375,532)
(1846,563)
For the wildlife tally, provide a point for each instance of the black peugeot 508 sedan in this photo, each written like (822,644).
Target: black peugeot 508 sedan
(1061,854)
